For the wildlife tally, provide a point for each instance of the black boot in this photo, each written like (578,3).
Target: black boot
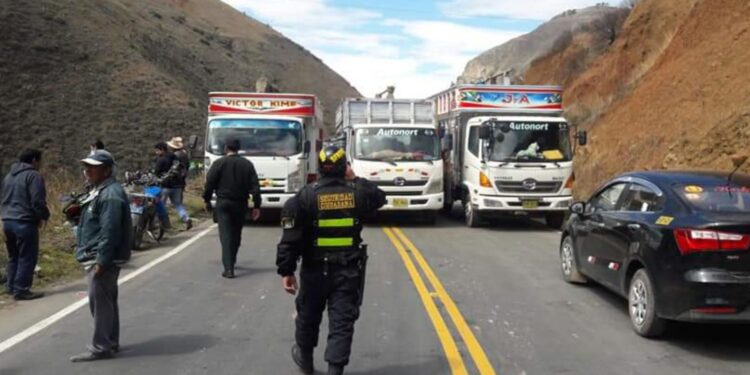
(304,360)
(335,369)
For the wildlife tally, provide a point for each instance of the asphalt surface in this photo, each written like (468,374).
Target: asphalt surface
(503,281)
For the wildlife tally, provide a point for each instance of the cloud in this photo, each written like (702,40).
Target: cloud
(305,14)
(539,10)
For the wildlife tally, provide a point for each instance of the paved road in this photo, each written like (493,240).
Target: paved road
(439,300)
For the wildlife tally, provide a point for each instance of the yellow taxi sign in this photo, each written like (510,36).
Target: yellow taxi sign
(693,189)
(664,220)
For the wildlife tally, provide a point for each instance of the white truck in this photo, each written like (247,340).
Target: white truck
(508,150)
(394,143)
(276,132)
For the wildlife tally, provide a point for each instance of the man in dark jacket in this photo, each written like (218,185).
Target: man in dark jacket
(24,212)
(323,225)
(234,180)
(103,245)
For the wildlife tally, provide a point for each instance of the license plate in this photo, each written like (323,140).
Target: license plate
(530,205)
(400,202)
(136,209)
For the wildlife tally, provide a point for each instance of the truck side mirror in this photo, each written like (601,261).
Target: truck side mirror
(485,132)
(193,142)
(583,137)
(306,150)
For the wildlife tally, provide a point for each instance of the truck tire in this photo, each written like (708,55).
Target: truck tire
(555,220)
(471,215)
(642,306)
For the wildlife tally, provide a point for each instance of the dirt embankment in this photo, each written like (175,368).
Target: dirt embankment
(672,92)
(134,72)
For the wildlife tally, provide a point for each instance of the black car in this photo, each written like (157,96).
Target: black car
(675,244)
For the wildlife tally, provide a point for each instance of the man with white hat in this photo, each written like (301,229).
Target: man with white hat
(103,246)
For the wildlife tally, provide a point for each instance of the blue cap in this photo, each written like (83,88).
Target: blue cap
(99,157)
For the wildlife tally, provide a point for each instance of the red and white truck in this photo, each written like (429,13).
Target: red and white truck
(276,132)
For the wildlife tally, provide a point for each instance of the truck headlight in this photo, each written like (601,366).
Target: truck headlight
(435,186)
(294,182)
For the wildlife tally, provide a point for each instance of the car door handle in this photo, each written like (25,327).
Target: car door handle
(634,226)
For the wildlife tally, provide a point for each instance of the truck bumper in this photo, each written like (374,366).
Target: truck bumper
(414,202)
(274,201)
(516,204)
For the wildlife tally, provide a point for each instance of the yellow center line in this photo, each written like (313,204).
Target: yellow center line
(472,344)
(455,361)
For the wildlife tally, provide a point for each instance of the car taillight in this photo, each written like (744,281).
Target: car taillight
(702,240)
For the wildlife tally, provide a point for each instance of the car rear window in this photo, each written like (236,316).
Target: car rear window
(716,198)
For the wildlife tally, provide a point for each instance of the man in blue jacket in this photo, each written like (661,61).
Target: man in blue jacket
(103,245)
(24,212)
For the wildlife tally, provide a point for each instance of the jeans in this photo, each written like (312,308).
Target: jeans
(175,196)
(22,241)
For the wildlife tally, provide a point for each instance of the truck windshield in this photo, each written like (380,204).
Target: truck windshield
(258,137)
(397,144)
(530,142)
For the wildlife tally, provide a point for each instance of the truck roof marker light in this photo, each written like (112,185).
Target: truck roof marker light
(374,174)
(484,181)
(425,174)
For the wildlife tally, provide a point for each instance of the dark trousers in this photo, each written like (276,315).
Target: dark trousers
(339,290)
(105,310)
(22,241)
(231,218)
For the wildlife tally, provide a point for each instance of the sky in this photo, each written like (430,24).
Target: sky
(418,46)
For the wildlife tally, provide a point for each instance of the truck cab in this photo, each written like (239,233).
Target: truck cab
(394,143)
(276,133)
(509,152)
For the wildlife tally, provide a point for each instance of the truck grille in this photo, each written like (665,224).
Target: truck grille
(405,183)
(541,187)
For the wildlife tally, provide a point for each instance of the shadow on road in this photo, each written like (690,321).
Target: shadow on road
(728,342)
(169,345)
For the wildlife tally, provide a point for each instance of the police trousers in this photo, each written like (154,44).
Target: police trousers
(339,291)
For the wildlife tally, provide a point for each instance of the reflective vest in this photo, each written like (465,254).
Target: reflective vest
(336,227)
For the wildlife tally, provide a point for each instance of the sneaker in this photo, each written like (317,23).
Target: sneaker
(91,356)
(189,224)
(28,296)
(303,360)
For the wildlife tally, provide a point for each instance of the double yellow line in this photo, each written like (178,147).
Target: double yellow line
(455,361)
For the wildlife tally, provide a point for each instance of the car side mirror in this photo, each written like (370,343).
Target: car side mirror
(583,137)
(578,208)
(193,142)
(485,132)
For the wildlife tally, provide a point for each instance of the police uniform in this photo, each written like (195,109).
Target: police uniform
(322,225)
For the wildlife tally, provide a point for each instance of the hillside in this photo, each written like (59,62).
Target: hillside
(672,92)
(517,54)
(135,72)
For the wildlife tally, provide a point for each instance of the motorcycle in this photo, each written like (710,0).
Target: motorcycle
(146,207)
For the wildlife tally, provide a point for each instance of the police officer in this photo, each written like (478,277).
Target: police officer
(322,225)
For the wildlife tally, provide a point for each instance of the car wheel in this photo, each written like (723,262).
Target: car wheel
(568,263)
(473,220)
(642,306)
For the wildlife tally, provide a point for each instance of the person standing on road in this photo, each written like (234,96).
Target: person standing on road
(103,246)
(24,212)
(234,180)
(322,224)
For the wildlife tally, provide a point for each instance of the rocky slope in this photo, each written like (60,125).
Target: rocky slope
(134,72)
(672,92)
(517,54)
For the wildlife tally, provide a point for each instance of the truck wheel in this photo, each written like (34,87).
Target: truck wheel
(642,306)
(568,263)
(472,217)
(555,220)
